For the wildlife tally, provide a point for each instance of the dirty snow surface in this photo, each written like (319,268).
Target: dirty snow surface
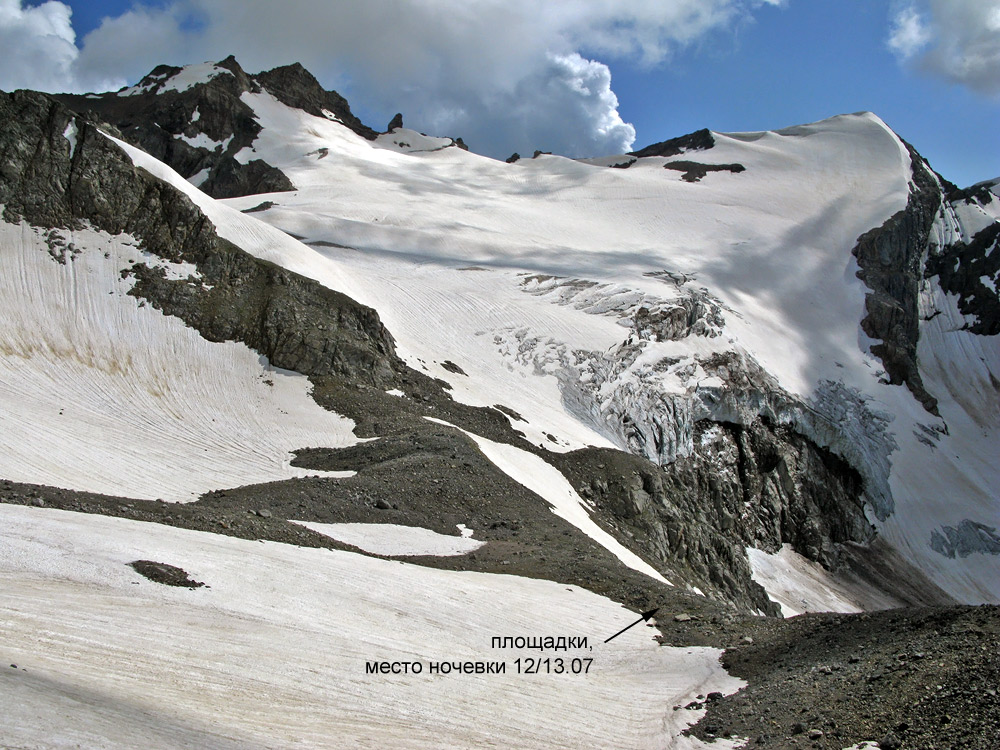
(102,393)
(798,585)
(272,652)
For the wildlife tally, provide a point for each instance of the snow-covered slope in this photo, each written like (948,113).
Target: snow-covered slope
(640,308)
(100,392)
(533,277)
(690,377)
(772,246)
(272,652)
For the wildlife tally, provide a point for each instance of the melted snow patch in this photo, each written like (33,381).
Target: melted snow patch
(273,651)
(193,75)
(410,141)
(70,134)
(392,540)
(797,584)
(206,142)
(548,482)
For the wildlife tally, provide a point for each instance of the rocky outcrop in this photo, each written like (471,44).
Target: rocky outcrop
(694,171)
(198,131)
(890,260)
(971,271)
(395,122)
(699,140)
(761,485)
(295,322)
(296,87)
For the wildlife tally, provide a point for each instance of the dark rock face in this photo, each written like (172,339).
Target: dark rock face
(158,121)
(515,157)
(694,171)
(395,122)
(296,87)
(230,179)
(978,193)
(760,485)
(295,322)
(700,140)
(890,258)
(961,268)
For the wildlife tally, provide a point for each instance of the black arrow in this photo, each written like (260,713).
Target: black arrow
(645,618)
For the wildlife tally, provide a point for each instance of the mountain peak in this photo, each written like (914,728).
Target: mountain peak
(296,87)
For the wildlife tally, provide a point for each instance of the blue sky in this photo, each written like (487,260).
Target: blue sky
(581,78)
(807,61)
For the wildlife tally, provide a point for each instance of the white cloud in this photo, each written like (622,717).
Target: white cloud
(38,45)
(566,106)
(39,49)
(909,33)
(956,39)
(504,74)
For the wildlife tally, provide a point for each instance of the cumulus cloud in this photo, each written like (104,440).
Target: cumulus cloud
(39,45)
(956,39)
(909,33)
(40,50)
(504,74)
(566,106)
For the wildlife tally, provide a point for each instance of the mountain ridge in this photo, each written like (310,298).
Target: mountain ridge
(767,387)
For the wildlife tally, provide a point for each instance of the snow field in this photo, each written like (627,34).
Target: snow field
(277,644)
(786,224)
(414,221)
(102,393)
(773,243)
(393,540)
(798,584)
